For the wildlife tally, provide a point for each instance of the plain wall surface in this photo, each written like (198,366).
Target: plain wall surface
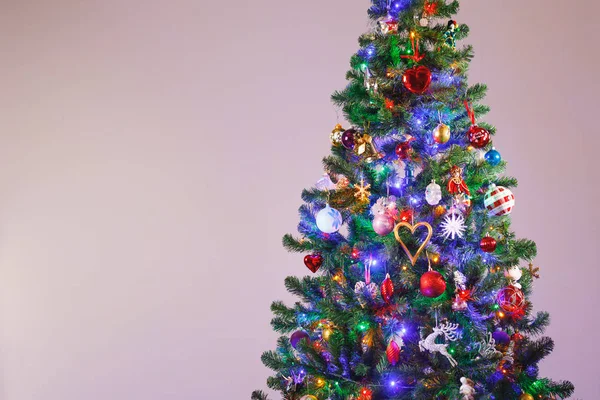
(153,153)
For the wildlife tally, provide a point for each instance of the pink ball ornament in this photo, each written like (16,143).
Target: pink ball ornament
(383,225)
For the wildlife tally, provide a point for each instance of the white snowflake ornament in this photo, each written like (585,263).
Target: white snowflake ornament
(453,225)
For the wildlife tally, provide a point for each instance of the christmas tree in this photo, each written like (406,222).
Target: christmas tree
(420,288)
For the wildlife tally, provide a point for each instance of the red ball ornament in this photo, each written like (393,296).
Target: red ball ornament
(403,150)
(478,137)
(313,262)
(417,79)
(511,299)
(432,284)
(406,216)
(516,337)
(488,244)
(393,353)
(387,289)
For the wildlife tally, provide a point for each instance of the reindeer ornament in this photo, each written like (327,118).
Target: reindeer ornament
(450,334)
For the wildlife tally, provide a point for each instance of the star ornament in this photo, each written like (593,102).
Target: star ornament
(534,271)
(453,226)
(362,191)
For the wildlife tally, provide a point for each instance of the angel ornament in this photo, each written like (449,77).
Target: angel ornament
(467,389)
(450,334)
(459,189)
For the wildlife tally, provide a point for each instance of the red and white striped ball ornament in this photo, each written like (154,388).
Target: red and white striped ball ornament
(499,200)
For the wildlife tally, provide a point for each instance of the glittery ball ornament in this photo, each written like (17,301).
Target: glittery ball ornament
(403,150)
(336,135)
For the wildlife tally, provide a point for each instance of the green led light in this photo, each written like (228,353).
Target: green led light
(363,326)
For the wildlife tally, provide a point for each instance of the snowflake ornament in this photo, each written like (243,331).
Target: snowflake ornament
(453,226)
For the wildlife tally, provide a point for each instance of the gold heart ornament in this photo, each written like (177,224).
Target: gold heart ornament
(413,228)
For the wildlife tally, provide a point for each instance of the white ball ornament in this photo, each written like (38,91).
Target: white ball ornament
(433,194)
(499,200)
(329,220)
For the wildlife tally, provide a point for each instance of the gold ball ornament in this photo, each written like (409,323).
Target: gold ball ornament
(439,211)
(336,135)
(441,134)
(526,396)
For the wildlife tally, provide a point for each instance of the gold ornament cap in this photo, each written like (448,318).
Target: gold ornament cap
(338,128)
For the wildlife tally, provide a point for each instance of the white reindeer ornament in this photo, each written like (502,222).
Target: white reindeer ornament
(449,332)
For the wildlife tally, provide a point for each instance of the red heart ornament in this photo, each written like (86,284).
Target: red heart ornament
(313,262)
(417,79)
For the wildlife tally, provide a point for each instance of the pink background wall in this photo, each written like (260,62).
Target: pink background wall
(153,152)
